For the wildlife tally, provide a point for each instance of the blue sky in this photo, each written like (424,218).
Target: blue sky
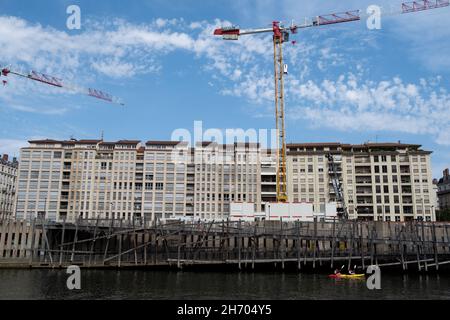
(347,83)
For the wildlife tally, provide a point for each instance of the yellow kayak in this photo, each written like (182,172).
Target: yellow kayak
(348,276)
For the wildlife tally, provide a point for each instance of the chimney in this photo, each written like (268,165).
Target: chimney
(5,157)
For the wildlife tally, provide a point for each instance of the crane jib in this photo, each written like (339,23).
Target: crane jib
(45,79)
(100,95)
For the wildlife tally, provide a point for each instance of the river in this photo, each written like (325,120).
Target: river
(119,285)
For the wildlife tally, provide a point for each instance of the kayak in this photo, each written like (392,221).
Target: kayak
(347,276)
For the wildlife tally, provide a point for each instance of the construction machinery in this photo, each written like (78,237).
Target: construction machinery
(281,35)
(55,82)
(337,187)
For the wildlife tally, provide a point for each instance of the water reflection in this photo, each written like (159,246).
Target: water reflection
(51,284)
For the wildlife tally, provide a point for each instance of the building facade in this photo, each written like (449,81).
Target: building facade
(8,178)
(444,191)
(125,179)
(171,180)
(390,181)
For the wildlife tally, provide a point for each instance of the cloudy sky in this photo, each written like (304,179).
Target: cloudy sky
(346,83)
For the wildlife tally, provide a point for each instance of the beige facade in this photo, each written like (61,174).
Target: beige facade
(171,180)
(8,178)
(390,181)
(125,179)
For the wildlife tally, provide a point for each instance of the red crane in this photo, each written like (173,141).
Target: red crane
(55,82)
(281,35)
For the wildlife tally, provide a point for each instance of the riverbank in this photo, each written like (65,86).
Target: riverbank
(320,245)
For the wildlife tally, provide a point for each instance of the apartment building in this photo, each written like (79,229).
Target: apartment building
(381,181)
(125,179)
(171,180)
(8,178)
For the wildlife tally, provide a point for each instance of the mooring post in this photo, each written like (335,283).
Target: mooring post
(46,242)
(352,236)
(299,262)
(239,243)
(33,240)
(435,248)
(119,258)
(424,247)
(255,242)
(282,245)
(371,234)
(61,252)
(315,243)
(333,242)
(111,226)
(361,246)
(135,242)
(93,242)
(75,240)
(145,240)
(399,232)
(417,240)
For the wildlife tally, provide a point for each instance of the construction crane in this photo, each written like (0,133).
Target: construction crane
(337,187)
(281,35)
(55,82)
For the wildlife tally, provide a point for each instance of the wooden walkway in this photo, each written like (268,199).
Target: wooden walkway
(411,246)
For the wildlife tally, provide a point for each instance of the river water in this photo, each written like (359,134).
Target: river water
(119,285)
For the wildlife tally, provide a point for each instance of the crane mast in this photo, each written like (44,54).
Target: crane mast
(278,39)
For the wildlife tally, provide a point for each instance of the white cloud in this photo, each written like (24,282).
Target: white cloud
(353,104)
(11,146)
(243,69)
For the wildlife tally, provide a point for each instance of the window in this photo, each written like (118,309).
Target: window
(159,186)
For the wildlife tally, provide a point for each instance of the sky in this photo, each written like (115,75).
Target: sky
(346,83)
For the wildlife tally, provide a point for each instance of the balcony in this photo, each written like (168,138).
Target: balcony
(406,190)
(364,210)
(407,200)
(406,180)
(367,180)
(408,210)
(405,170)
(364,190)
(362,161)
